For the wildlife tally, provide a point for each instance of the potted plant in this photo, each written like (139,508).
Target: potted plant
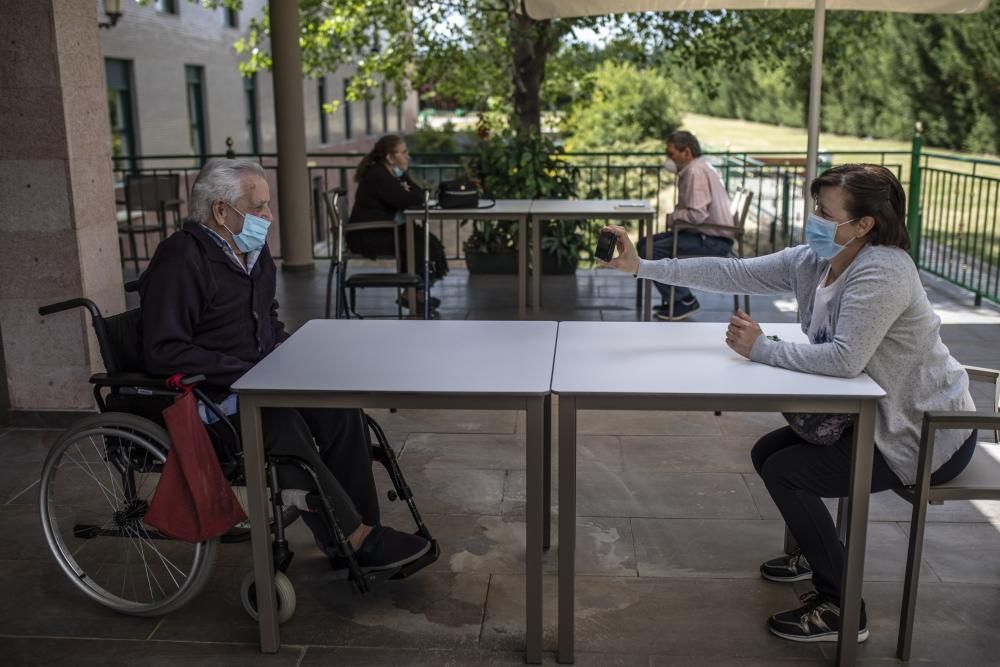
(523,167)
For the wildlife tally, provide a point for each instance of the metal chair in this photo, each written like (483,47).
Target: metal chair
(349,284)
(979,481)
(739,208)
(148,193)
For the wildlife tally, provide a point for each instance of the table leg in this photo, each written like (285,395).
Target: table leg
(253,453)
(547,472)
(638,283)
(647,286)
(567,526)
(857,528)
(522,268)
(533,525)
(411,267)
(536,266)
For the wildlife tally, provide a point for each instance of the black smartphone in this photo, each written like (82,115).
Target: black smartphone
(606,243)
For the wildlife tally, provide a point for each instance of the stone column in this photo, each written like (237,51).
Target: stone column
(58,234)
(289,112)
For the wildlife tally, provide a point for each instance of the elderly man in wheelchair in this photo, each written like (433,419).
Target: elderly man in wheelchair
(207,315)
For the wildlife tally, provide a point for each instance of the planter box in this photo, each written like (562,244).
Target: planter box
(506,264)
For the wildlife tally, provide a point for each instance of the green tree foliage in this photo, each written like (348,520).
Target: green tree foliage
(625,107)
(882,73)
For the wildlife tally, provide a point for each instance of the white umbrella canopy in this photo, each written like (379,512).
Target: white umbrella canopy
(546,9)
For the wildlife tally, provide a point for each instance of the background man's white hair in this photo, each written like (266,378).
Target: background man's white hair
(219,180)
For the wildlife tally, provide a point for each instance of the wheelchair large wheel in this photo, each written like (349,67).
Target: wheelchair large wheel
(95,489)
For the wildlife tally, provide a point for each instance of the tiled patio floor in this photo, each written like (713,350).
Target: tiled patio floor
(673,523)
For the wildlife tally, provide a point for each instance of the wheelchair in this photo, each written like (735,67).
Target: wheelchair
(99,477)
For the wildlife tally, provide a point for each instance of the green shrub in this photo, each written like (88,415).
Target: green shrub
(625,107)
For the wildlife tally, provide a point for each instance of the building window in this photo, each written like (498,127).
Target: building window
(347,110)
(232,18)
(321,100)
(166,6)
(368,116)
(195,76)
(250,95)
(385,108)
(118,74)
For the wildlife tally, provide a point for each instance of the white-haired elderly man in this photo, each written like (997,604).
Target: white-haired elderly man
(208,307)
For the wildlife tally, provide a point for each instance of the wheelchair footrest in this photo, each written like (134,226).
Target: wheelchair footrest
(415,566)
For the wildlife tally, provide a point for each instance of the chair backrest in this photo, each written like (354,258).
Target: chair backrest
(122,342)
(337,228)
(735,202)
(744,210)
(145,192)
(334,221)
(993,377)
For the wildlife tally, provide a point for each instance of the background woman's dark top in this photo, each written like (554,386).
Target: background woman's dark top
(381,196)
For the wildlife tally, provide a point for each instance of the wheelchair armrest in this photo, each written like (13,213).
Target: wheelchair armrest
(139,380)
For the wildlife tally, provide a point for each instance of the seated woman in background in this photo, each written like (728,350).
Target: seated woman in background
(863,308)
(384,191)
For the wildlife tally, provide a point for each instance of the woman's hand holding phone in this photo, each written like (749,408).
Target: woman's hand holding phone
(627,259)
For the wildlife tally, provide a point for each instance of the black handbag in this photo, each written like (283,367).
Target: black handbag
(459,193)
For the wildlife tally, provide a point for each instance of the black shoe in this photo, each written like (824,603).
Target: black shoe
(682,309)
(404,301)
(389,549)
(793,567)
(814,621)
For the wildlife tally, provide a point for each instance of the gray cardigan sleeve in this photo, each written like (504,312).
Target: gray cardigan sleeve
(874,296)
(769,274)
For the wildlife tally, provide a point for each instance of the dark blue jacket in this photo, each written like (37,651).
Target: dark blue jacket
(202,314)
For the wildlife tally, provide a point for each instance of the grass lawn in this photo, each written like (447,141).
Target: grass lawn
(720,134)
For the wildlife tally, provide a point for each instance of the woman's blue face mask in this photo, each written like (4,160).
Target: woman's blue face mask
(254,233)
(820,234)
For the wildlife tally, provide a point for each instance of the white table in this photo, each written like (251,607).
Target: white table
(517,210)
(648,366)
(404,364)
(591,209)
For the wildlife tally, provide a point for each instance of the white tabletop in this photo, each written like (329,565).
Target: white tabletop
(409,356)
(512,207)
(591,207)
(683,359)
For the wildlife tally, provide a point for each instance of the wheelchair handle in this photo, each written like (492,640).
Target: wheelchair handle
(67,305)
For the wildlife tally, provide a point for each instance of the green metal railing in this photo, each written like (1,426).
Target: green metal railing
(953,208)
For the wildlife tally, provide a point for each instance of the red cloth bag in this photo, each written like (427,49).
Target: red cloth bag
(193,501)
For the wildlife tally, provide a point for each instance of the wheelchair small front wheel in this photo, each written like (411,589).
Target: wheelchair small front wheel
(283,590)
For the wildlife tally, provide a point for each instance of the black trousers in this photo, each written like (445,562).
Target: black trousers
(333,442)
(373,243)
(689,243)
(799,475)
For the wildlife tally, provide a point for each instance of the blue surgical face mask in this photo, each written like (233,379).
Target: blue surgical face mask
(254,232)
(820,234)
(397,170)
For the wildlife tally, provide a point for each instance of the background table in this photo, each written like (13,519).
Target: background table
(591,209)
(404,364)
(651,366)
(505,209)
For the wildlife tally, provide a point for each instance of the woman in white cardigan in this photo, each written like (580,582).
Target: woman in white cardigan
(863,307)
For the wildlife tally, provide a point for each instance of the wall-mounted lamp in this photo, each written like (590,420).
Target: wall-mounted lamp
(113,10)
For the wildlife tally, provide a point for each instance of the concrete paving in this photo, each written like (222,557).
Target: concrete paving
(672,525)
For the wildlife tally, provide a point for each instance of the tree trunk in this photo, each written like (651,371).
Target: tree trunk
(531,42)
